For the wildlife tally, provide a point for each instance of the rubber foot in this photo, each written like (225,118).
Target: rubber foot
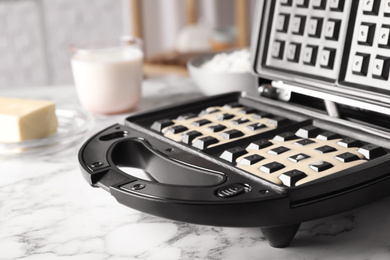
(280,236)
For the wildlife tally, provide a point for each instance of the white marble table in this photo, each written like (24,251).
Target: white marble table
(48,211)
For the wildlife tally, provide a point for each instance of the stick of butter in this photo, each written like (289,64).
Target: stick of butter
(24,119)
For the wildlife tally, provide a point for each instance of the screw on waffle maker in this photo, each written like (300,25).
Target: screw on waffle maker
(242,161)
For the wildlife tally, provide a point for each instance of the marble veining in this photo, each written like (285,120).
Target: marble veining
(47,211)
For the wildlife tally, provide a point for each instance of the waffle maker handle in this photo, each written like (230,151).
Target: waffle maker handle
(218,198)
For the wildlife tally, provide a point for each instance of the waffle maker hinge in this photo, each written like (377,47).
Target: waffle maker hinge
(269,91)
(331,108)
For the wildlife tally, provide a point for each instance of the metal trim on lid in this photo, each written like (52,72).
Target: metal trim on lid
(340,98)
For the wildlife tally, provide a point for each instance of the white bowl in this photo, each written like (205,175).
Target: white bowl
(212,83)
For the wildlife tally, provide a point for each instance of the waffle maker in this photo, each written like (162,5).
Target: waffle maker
(315,142)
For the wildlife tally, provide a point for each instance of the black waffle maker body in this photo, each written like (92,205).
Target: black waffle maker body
(313,143)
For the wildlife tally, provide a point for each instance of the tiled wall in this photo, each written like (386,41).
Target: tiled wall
(35,35)
(21,55)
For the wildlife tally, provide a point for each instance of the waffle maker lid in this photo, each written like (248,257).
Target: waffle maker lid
(338,51)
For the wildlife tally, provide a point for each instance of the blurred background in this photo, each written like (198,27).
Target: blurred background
(35,34)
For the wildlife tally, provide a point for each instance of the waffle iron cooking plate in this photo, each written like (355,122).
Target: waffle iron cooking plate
(244,161)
